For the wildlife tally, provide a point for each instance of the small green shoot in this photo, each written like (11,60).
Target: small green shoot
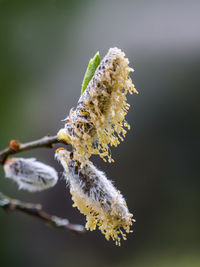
(92,66)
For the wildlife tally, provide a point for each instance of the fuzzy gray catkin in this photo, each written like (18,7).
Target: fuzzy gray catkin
(96,197)
(99,118)
(30,174)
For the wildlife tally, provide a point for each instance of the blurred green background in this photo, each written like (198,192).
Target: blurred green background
(45,47)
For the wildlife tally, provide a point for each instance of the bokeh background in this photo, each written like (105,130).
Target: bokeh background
(44,50)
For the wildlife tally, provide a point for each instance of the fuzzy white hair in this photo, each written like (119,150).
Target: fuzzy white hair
(30,174)
(96,197)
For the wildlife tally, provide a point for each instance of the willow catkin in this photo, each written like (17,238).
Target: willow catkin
(30,174)
(96,197)
(99,118)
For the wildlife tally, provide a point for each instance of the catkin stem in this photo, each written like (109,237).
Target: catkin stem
(46,141)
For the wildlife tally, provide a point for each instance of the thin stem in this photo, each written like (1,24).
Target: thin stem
(10,205)
(47,141)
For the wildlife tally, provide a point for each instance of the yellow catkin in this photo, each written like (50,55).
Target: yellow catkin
(97,198)
(99,118)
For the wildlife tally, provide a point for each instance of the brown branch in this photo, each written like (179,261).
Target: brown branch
(10,205)
(16,147)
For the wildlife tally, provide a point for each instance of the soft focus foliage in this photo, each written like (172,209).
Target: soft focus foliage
(44,48)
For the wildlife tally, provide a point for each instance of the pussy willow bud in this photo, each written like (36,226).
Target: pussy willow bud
(30,174)
(96,197)
(99,118)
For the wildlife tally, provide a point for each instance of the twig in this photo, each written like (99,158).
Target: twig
(9,204)
(16,147)
(36,210)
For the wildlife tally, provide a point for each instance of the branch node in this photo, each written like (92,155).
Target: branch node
(14,145)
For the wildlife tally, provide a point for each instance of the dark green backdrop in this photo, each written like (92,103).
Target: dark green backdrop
(44,50)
